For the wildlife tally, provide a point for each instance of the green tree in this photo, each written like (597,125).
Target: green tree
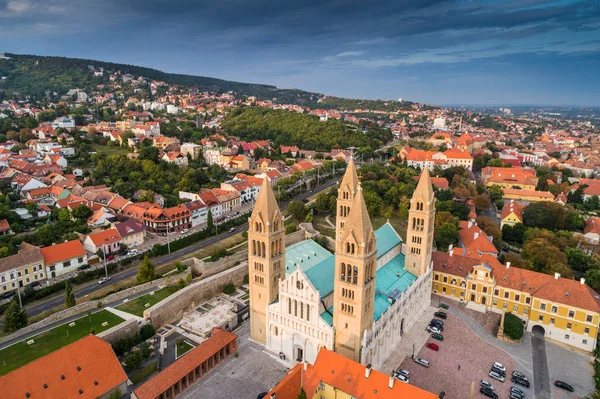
(546,215)
(514,233)
(578,260)
(297,210)
(148,153)
(210,224)
(69,295)
(15,317)
(495,192)
(482,202)
(133,360)
(146,271)
(574,221)
(301,394)
(513,326)
(491,229)
(180,284)
(116,394)
(82,212)
(445,235)
(64,215)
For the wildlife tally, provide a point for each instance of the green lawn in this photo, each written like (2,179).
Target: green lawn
(322,226)
(144,373)
(20,353)
(182,347)
(137,306)
(109,150)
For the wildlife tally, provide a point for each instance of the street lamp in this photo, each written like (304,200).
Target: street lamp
(413,354)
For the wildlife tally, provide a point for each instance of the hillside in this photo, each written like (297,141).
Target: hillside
(31,75)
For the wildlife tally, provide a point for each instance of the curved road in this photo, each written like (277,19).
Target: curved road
(55,301)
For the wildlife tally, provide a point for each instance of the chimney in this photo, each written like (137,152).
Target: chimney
(508,265)
(368,370)
(470,224)
(305,365)
(582,281)
(475,235)
(391,382)
(556,276)
(451,252)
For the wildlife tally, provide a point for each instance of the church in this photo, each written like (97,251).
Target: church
(358,301)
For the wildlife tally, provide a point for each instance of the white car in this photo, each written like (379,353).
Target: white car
(484,383)
(422,362)
(104,280)
(402,371)
(184,231)
(401,377)
(499,366)
(133,252)
(496,376)
(433,330)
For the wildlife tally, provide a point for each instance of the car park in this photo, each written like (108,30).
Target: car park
(441,315)
(488,392)
(520,381)
(422,362)
(433,329)
(484,383)
(104,280)
(564,385)
(496,376)
(432,346)
(437,336)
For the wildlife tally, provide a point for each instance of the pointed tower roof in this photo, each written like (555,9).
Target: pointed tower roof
(424,187)
(266,204)
(359,223)
(350,178)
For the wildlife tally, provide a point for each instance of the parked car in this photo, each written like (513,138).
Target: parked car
(7,295)
(34,284)
(439,327)
(521,381)
(517,390)
(496,376)
(184,231)
(432,346)
(162,234)
(564,385)
(402,371)
(499,371)
(422,362)
(517,373)
(484,383)
(441,315)
(104,280)
(133,252)
(109,258)
(499,366)
(262,395)
(516,394)
(401,377)
(433,329)
(231,230)
(488,392)
(437,336)
(436,322)
(83,267)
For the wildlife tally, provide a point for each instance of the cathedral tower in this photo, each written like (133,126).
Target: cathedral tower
(266,258)
(354,284)
(421,219)
(346,193)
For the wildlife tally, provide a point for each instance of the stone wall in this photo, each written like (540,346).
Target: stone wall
(126,329)
(84,307)
(174,306)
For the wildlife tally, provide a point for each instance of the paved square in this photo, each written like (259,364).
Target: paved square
(461,346)
(244,377)
(571,367)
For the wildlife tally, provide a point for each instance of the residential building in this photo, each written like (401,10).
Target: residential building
(475,241)
(333,376)
(229,200)
(512,213)
(591,232)
(167,220)
(63,258)
(5,229)
(175,157)
(523,178)
(191,149)
(63,122)
(199,212)
(86,369)
(21,269)
(132,232)
(106,241)
(527,196)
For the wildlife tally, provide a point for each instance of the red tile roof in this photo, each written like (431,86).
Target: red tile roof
(474,239)
(4,226)
(513,207)
(104,237)
(63,251)
(99,372)
(184,365)
(592,225)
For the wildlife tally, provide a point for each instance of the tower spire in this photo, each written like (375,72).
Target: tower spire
(350,179)
(359,223)
(424,187)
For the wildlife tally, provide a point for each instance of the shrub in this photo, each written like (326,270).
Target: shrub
(145,350)
(133,360)
(229,289)
(513,326)
(218,254)
(147,331)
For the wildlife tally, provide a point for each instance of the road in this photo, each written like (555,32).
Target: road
(541,375)
(55,301)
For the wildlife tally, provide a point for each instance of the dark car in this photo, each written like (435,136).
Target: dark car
(7,295)
(110,257)
(34,284)
(83,267)
(437,336)
(436,322)
(262,395)
(564,385)
(488,392)
(441,315)
(521,381)
(499,371)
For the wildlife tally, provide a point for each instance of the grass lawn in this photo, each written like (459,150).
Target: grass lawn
(396,221)
(144,373)
(182,347)
(20,353)
(104,149)
(137,306)
(322,226)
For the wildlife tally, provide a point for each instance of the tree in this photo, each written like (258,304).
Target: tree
(574,221)
(133,360)
(209,222)
(146,332)
(69,295)
(445,235)
(578,260)
(516,261)
(149,153)
(482,202)
(14,317)
(513,326)
(592,278)
(297,210)
(491,229)
(82,212)
(180,284)
(146,271)
(64,215)
(545,214)
(301,394)
(514,233)
(546,257)
(116,394)
(496,192)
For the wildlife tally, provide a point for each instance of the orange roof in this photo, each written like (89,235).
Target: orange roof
(4,226)
(593,189)
(570,292)
(158,384)
(63,251)
(289,386)
(474,239)
(592,225)
(528,193)
(104,237)
(457,153)
(89,366)
(513,207)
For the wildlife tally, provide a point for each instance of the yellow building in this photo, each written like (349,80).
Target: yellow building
(527,195)
(335,377)
(21,269)
(562,309)
(512,213)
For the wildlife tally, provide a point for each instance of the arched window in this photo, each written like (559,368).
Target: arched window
(264,252)
(295,308)
(355,276)
(307,312)
(253,247)
(349,275)
(343,271)
(289,306)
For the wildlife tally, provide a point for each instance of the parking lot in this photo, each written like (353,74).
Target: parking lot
(461,347)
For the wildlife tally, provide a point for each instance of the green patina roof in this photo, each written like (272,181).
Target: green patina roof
(328,315)
(315,261)
(387,238)
(64,194)
(391,281)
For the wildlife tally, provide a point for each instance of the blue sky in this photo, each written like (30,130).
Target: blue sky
(433,51)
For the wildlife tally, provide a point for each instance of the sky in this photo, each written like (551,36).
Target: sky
(539,52)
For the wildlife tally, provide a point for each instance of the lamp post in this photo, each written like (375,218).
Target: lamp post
(413,354)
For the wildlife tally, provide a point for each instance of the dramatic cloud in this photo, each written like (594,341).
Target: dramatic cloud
(440,51)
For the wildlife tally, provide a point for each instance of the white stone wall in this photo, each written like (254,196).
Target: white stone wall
(566,337)
(389,255)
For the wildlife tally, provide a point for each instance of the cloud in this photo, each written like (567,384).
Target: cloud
(19,6)
(350,54)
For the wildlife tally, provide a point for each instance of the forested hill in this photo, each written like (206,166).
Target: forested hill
(31,75)
(303,130)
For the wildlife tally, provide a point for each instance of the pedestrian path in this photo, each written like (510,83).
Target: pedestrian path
(329,222)
(124,315)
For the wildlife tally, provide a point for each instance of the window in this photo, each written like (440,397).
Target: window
(517,298)
(484,290)
(443,289)
(541,318)
(543,306)
(436,277)
(80,260)
(588,318)
(453,291)
(586,330)
(445,279)
(552,321)
(435,286)
(566,336)
(506,295)
(496,292)
(526,310)
(505,305)
(52,268)
(569,326)
(554,309)
(299,285)
(495,302)
(473,287)
(307,312)
(528,300)
(571,313)
(289,306)
(515,308)
(585,341)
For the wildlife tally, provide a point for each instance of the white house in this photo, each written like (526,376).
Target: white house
(63,258)
(64,122)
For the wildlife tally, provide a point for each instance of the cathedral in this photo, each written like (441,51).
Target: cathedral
(358,301)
